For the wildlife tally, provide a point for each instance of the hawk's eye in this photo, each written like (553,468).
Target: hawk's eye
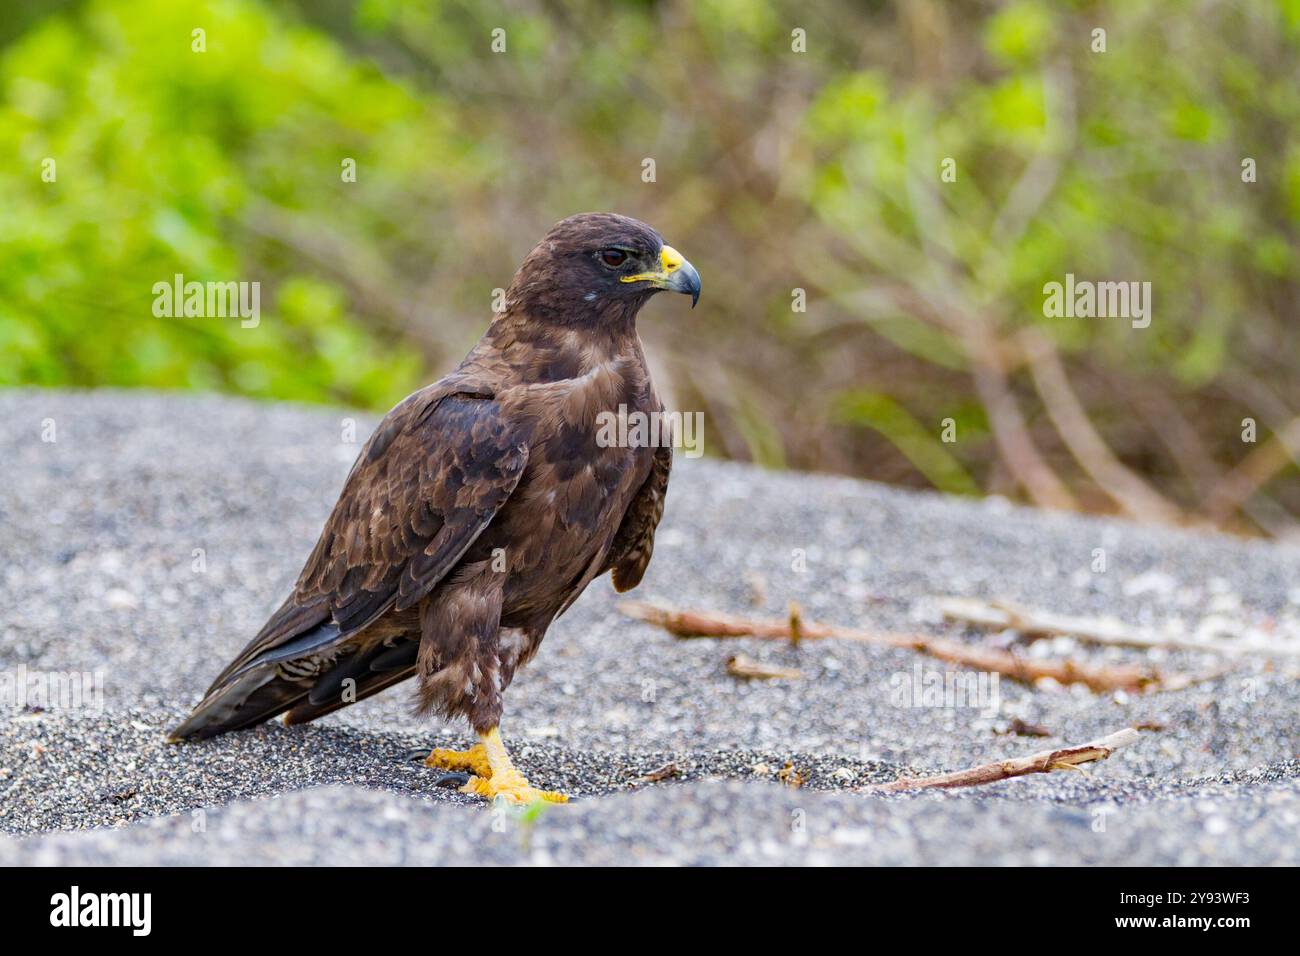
(613,257)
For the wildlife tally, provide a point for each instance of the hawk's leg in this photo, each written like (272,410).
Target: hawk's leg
(474,760)
(503,779)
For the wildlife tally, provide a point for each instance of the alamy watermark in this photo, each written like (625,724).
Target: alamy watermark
(68,691)
(208,300)
(1083,299)
(927,687)
(74,908)
(624,429)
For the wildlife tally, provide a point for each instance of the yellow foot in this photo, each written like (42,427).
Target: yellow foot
(499,778)
(474,760)
(512,788)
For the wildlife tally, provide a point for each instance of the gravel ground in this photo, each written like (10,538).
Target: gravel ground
(148,541)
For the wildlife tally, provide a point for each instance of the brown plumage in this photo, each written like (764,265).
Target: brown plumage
(482,505)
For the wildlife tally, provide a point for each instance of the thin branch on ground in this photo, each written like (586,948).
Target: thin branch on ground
(1105,677)
(1064,758)
(1035,623)
(746,667)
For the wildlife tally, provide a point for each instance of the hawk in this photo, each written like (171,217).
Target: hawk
(479,510)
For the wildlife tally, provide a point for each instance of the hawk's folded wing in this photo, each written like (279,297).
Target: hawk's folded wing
(635,541)
(427,483)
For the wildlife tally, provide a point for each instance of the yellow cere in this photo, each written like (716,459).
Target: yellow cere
(672,261)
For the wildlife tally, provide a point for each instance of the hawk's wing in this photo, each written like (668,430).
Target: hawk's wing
(635,541)
(427,483)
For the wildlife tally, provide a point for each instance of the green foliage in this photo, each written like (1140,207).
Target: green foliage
(161,156)
(1118,165)
(776,170)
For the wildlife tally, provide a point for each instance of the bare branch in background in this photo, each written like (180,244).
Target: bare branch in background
(1011,433)
(1254,472)
(1160,412)
(1040,176)
(380,293)
(1138,499)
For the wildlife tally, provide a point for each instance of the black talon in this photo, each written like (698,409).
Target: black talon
(451,778)
(416,754)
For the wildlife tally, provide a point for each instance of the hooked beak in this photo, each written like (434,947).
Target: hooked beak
(677,275)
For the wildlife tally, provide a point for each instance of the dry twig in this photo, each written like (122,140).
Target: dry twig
(1065,758)
(742,665)
(666,772)
(697,624)
(1022,728)
(1029,621)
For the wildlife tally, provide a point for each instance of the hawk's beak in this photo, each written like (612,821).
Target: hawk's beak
(677,275)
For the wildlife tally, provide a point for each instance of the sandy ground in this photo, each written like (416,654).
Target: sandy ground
(145,544)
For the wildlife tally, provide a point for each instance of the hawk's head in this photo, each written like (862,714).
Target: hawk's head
(599,264)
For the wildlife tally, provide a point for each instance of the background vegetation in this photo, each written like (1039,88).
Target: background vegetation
(776,170)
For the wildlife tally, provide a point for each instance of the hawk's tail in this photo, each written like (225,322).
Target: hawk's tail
(247,700)
(296,685)
(261,685)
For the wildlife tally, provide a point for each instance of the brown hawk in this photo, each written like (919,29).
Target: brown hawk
(479,510)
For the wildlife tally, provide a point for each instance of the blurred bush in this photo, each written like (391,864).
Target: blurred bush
(775,171)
